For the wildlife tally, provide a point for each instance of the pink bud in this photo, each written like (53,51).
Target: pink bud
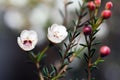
(87,30)
(91,5)
(97,3)
(109,5)
(104,51)
(106,14)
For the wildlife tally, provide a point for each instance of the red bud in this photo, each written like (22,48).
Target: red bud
(109,5)
(91,5)
(106,14)
(97,3)
(87,30)
(104,51)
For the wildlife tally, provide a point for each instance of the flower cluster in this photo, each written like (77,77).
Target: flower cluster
(92,5)
(58,33)
(107,12)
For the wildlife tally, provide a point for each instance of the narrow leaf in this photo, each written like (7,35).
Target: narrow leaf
(69,3)
(92,52)
(61,13)
(83,45)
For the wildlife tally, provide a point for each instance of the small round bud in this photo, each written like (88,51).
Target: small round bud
(104,51)
(87,30)
(97,3)
(91,5)
(109,5)
(106,14)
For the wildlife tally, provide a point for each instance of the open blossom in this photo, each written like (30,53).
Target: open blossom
(57,33)
(27,40)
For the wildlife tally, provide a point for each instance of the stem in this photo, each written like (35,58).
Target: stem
(96,12)
(40,55)
(89,55)
(63,69)
(39,73)
(65,7)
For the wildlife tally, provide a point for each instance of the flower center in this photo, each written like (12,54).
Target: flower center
(57,34)
(27,42)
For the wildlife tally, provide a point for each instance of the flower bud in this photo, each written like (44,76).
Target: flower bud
(91,5)
(106,14)
(87,30)
(109,5)
(104,51)
(97,3)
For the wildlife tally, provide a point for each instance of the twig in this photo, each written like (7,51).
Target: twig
(39,73)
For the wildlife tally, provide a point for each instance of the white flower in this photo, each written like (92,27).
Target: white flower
(57,33)
(27,40)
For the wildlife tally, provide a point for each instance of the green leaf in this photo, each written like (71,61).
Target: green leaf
(78,33)
(79,4)
(86,57)
(69,3)
(61,53)
(61,13)
(95,31)
(77,12)
(69,54)
(65,45)
(84,45)
(74,22)
(93,38)
(98,61)
(41,54)
(45,71)
(101,60)
(32,56)
(69,68)
(96,43)
(84,14)
(54,68)
(92,52)
(70,35)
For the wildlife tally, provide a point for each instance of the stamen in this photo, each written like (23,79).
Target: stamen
(27,42)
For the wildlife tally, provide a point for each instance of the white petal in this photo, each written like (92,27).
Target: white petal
(33,37)
(24,35)
(28,34)
(54,26)
(24,47)
(19,42)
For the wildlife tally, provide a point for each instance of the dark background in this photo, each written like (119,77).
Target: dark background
(13,64)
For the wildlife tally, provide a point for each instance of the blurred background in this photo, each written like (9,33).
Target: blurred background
(17,15)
